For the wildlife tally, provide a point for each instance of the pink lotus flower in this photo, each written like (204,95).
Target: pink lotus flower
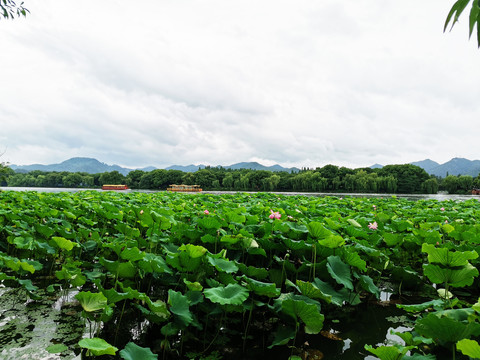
(274,214)
(442,209)
(446,221)
(206,212)
(373,226)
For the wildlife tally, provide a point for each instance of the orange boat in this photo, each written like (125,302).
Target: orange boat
(115,187)
(476,192)
(184,188)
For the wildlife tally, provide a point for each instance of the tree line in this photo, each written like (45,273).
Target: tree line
(402,179)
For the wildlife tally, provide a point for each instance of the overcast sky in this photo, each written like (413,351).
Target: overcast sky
(216,82)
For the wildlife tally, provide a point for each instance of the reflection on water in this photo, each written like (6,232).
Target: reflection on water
(439,196)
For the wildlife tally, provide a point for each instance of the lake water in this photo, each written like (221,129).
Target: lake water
(439,196)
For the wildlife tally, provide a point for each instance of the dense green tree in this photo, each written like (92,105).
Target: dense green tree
(133,178)
(72,180)
(430,186)
(450,183)
(409,177)
(465,183)
(112,178)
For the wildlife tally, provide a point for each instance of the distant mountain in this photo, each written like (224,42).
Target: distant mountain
(93,166)
(455,166)
(76,164)
(186,168)
(376,166)
(428,165)
(257,166)
(237,166)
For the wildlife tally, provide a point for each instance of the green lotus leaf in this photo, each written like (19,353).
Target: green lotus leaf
(436,304)
(389,352)
(339,271)
(367,283)
(305,309)
(180,307)
(222,264)
(28,243)
(114,296)
(282,336)
(352,258)
(132,254)
(445,328)
(354,223)
(208,239)
(446,257)
(126,270)
(97,346)
(262,288)
(318,231)
(56,348)
(158,308)
(232,294)
(392,239)
(209,222)
(91,301)
(63,243)
(193,286)
(332,241)
(312,291)
(337,298)
(134,352)
(252,271)
(296,245)
(193,251)
(456,278)
(469,348)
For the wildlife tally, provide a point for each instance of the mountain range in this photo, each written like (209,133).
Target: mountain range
(456,166)
(93,166)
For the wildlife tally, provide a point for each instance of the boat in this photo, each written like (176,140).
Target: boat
(184,188)
(115,187)
(476,192)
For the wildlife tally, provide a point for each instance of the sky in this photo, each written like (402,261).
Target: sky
(300,83)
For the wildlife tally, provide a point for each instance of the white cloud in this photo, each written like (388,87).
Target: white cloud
(297,83)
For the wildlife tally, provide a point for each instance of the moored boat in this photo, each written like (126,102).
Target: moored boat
(184,188)
(115,187)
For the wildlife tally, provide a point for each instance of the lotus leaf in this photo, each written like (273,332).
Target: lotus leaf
(179,306)
(222,264)
(389,352)
(469,347)
(340,271)
(318,231)
(446,329)
(91,301)
(456,278)
(301,307)
(232,294)
(134,352)
(97,346)
(262,288)
(448,258)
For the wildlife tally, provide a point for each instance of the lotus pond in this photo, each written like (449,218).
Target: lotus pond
(237,276)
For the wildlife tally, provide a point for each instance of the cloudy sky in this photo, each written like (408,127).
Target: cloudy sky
(295,83)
